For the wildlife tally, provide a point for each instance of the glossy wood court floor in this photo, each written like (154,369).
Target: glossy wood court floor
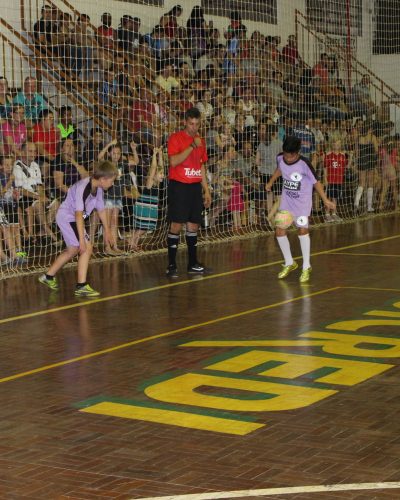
(236,385)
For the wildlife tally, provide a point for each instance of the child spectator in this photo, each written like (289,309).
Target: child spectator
(83,197)
(236,204)
(113,197)
(335,164)
(14,131)
(9,216)
(145,210)
(388,173)
(367,158)
(65,170)
(105,32)
(93,148)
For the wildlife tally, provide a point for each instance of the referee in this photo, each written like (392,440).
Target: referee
(187,186)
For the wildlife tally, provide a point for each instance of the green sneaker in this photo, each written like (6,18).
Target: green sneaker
(50,283)
(22,254)
(287,269)
(86,291)
(305,275)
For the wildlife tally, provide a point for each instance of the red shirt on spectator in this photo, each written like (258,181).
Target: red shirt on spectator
(189,171)
(335,164)
(49,138)
(106,36)
(142,114)
(321,71)
(290,55)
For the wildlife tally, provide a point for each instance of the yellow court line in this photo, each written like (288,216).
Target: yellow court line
(366,254)
(179,283)
(375,289)
(161,335)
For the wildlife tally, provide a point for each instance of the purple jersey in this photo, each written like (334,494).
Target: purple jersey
(81,199)
(298,183)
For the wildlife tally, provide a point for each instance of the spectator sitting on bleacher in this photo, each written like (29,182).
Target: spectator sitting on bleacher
(128,34)
(159,44)
(143,121)
(14,132)
(248,106)
(47,139)
(361,102)
(5,100)
(28,180)
(66,126)
(92,148)
(169,21)
(166,80)
(205,107)
(243,134)
(105,32)
(32,102)
(213,58)
(65,170)
(229,110)
(282,102)
(290,56)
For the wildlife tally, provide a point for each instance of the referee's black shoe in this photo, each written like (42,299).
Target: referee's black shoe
(172,271)
(196,269)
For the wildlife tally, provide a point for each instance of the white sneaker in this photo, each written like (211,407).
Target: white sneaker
(328,218)
(336,218)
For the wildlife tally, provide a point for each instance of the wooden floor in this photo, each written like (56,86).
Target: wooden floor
(235,382)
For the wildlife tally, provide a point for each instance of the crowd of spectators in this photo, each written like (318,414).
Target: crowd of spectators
(251,91)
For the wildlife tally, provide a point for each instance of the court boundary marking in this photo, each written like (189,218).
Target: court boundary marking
(183,329)
(291,490)
(161,335)
(184,282)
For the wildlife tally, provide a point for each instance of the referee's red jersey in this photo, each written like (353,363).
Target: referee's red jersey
(189,171)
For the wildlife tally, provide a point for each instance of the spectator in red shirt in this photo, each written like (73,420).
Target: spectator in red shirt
(187,182)
(290,54)
(105,33)
(143,120)
(47,138)
(335,164)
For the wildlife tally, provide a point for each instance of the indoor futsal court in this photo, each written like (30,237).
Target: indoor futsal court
(235,385)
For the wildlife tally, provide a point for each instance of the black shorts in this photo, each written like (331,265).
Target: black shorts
(185,202)
(334,191)
(10,211)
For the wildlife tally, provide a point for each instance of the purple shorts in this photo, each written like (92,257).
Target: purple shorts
(69,231)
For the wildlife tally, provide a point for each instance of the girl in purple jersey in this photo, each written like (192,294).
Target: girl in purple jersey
(82,198)
(299,180)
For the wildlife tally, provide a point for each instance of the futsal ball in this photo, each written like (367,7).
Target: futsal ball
(283,219)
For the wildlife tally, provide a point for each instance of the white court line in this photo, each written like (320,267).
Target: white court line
(280,491)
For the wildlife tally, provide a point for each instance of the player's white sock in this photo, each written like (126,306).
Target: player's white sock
(305,245)
(285,249)
(359,193)
(370,196)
